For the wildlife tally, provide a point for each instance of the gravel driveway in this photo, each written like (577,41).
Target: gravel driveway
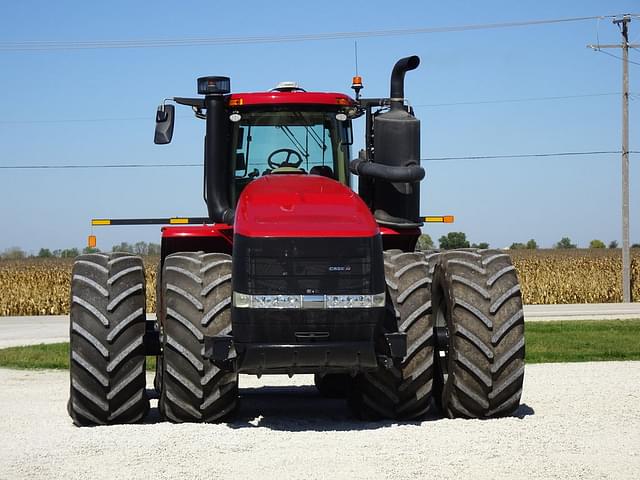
(577,420)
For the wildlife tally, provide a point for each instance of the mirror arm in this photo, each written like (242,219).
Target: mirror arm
(191,102)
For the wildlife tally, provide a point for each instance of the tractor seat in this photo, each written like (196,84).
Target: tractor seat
(322,170)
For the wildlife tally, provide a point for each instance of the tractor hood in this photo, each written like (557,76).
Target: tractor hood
(300,205)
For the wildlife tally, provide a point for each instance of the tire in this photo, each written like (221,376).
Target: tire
(333,385)
(107,356)
(403,392)
(477,301)
(196,290)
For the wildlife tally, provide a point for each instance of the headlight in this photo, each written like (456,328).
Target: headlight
(308,302)
(276,301)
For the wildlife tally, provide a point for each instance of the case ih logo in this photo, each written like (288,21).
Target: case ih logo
(338,268)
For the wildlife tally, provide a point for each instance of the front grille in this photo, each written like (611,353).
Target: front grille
(308,266)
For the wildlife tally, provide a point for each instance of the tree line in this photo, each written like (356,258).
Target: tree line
(446,242)
(138,248)
(459,240)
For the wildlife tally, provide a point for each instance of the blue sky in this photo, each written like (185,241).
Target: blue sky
(97,107)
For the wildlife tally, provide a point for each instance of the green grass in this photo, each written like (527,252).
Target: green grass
(575,341)
(582,341)
(53,355)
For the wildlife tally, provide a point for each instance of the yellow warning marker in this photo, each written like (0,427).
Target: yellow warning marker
(439,219)
(100,221)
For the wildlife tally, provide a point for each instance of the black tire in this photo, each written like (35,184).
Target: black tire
(403,392)
(196,291)
(476,298)
(107,357)
(333,385)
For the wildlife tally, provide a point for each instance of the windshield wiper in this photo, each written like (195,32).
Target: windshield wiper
(291,136)
(309,128)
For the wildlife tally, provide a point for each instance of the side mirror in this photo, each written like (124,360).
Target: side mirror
(164,124)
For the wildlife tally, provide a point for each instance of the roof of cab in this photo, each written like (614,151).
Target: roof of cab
(290,97)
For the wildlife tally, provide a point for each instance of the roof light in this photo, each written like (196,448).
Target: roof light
(214,85)
(356,85)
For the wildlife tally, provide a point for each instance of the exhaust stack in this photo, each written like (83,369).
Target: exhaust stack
(216,146)
(401,67)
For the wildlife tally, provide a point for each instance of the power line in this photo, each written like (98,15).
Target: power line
(88,166)
(181,165)
(615,56)
(45,45)
(74,120)
(515,100)
(523,155)
(148,118)
(471,102)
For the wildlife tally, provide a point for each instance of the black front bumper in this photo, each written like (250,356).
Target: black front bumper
(314,357)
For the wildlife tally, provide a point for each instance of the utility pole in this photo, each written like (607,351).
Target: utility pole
(626,259)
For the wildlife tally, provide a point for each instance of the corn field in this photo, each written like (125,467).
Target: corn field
(574,276)
(41,286)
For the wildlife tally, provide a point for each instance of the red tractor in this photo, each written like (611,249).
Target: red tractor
(291,271)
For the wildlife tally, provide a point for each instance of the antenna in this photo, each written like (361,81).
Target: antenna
(355,48)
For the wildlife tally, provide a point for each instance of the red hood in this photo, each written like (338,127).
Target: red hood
(299,205)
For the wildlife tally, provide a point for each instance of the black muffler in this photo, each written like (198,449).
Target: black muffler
(395,162)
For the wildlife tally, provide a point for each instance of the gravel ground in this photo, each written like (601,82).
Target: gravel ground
(576,421)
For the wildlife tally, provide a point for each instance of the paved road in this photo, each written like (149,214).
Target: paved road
(51,329)
(15,331)
(582,311)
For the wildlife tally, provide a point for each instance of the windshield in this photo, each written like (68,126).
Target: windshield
(268,142)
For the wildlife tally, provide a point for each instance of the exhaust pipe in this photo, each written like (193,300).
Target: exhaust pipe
(401,67)
(216,164)
(402,174)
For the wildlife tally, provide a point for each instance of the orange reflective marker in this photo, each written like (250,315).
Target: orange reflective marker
(439,219)
(91,241)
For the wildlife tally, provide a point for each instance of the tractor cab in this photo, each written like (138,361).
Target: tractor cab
(289,131)
(252,135)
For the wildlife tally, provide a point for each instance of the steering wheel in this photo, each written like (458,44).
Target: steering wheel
(286,162)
